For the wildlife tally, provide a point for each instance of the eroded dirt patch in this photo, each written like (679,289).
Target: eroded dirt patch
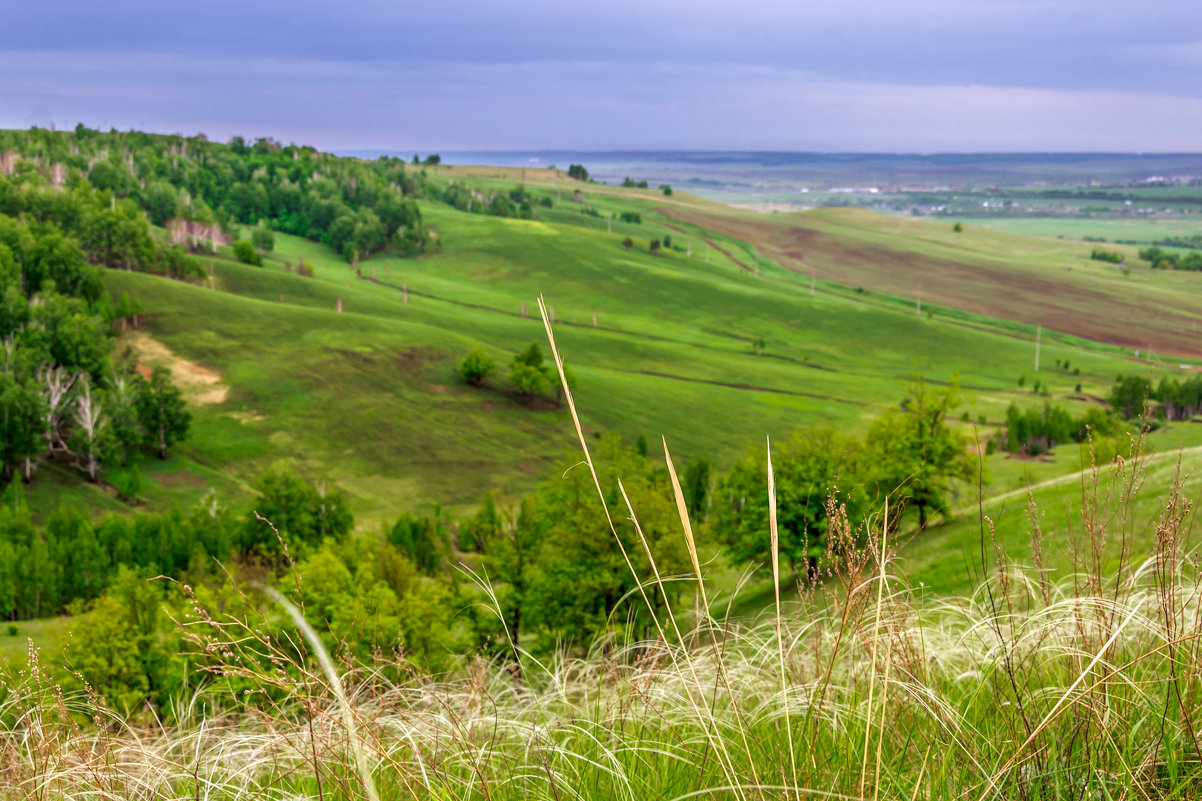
(199,384)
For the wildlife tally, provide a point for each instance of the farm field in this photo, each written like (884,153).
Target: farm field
(1032,281)
(1144,230)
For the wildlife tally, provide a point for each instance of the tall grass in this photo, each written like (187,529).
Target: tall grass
(853,685)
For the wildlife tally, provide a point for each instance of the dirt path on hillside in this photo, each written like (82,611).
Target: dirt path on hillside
(710,242)
(1021,492)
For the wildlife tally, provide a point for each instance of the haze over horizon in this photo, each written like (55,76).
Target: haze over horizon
(921,76)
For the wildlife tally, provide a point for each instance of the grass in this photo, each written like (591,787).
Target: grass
(1144,230)
(862,686)
(370,398)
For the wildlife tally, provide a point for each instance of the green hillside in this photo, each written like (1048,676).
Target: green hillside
(370,398)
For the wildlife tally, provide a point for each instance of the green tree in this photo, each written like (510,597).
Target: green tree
(262,238)
(160,200)
(482,528)
(816,472)
(476,366)
(581,583)
(528,375)
(245,252)
(125,647)
(695,485)
(423,540)
(163,417)
(302,513)
(915,454)
(958,228)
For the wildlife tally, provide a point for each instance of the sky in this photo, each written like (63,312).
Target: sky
(801,75)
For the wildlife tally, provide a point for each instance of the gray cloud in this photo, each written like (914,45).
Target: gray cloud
(858,74)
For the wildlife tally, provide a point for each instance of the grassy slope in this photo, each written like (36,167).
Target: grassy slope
(370,398)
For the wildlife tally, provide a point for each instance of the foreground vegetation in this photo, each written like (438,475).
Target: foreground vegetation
(1038,684)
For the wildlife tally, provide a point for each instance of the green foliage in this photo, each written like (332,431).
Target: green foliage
(667,190)
(476,366)
(631,217)
(246,253)
(563,570)
(958,228)
(808,470)
(479,531)
(914,454)
(126,648)
(695,484)
(528,375)
(1162,260)
(1129,395)
(302,513)
(363,206)
(1110,256)
(262,238)
(129,483)
(1037,430)
(1178,399)
(160,200)
(423,540)
(578,172)
(162,414)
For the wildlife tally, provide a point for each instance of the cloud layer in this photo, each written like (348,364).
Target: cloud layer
(922,75)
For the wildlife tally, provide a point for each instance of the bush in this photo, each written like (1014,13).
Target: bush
(958,228)
(129,483)
(245,252)
(262,238)
(476,366)
(528,375)
(667,190)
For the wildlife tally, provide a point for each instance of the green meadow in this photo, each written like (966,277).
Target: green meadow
(686,344)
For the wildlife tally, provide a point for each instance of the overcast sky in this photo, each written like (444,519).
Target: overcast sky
(838,75)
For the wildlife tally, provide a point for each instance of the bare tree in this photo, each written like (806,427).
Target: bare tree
(55,383)
(89,416)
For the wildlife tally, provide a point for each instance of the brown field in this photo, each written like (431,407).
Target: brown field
(1048,283)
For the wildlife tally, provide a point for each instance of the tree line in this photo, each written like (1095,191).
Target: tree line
(1134,396)
(356,207)
(62,396)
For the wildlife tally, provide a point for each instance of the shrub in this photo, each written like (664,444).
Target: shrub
(262,238)
(476,366)
(245,252)
(129,483)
